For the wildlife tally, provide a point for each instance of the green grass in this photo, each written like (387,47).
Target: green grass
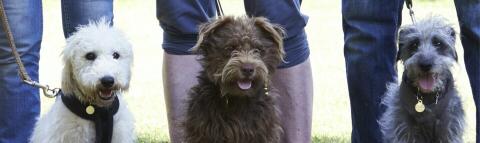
(345,138)
(152,137)
(331,109)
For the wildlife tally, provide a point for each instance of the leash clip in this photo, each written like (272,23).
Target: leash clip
(47,91)
(51,93)
(410,9)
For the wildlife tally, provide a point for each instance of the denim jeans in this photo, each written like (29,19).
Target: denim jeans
(469,19)
(20,103)
(370,28)
(180,19)
(80,12)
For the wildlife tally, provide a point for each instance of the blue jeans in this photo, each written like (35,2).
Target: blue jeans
(20,103)
(469,19)
(370,28)
(180,19)
(80,12)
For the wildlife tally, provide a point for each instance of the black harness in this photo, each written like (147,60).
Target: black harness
(102,117)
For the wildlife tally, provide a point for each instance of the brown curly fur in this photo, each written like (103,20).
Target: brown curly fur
(218,110)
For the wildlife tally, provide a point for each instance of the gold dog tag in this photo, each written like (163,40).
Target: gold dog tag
(90,110)
(419,107)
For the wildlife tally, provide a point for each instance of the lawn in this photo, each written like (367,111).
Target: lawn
(331,112)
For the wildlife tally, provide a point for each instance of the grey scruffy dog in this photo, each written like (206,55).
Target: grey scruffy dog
(231,103)
(425,107)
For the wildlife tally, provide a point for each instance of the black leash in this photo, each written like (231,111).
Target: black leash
(219,8)
(409,4)
(102,116)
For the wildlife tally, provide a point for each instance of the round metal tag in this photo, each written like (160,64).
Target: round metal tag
(90,110)
(419,107)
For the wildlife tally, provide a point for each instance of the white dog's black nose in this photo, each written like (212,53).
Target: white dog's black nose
(107,81)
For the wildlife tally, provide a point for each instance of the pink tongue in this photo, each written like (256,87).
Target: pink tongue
(244,84)
(426,83)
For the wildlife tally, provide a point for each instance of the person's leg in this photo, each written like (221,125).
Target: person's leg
(179,75)
(293,79)
(370,29)
(469,19)
(295,101)
(179,20)
(19,102)
(80,12)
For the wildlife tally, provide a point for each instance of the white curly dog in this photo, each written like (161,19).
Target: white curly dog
(97,70)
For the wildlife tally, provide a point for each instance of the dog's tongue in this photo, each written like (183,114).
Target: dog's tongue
(244,84)
(426,83)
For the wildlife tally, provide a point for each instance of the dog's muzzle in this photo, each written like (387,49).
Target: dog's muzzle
(107,91)
(426,80)
(247,70)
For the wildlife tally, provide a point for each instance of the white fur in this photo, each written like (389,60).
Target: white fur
(80,75)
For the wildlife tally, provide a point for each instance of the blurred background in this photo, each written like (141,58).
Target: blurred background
(331,111)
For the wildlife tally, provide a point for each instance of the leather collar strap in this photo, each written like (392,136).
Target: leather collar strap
(102,117)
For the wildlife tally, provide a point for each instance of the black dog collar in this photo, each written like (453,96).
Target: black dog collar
(102,117)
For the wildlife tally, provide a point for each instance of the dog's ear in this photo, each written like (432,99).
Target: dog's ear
(402,38)
(452,33)
(275,32)
(67,77)
(455,56)
(399,52)
(68,53)
(453,36)
(205,30)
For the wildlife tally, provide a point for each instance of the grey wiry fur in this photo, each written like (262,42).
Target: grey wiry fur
(222,108)
(427,51)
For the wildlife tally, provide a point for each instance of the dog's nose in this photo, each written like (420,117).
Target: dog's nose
(247,69)
(425,66)
(107,81)
(425,62)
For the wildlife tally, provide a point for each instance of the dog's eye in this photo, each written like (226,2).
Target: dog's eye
(90,56)
(437,43)
(256,51)
(413,45)
(116,55)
